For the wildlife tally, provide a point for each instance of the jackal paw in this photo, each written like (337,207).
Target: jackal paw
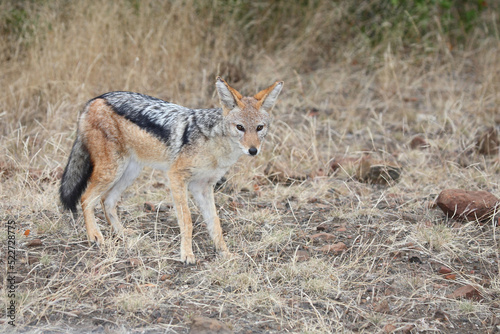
(95,236)
(188,258)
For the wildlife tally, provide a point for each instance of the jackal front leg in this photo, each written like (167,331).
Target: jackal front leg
(203,194)
(178,187)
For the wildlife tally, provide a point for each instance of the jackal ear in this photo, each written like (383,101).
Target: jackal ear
(229,97)
(267,98)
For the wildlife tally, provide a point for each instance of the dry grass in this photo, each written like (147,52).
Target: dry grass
(371,101)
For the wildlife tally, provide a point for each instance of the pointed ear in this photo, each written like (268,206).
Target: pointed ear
(267,98)
(229,97)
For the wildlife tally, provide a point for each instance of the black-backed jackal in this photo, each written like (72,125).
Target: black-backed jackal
(120,132)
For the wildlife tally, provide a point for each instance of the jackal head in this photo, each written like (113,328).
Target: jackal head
(246,118)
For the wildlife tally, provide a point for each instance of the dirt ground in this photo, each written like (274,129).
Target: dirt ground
(317,248)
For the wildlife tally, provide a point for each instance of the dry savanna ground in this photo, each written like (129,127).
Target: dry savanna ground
(315,249)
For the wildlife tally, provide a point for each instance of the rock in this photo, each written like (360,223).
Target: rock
(382,307)
(377,172)
(302,255)
(488,142)
(204,325)
(322,237)
(467,292)
(389,328)
(418,143)
(444,270)
(335,248)
(35,243)
(467,205)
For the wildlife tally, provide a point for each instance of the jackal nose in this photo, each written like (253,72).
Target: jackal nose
(252,150)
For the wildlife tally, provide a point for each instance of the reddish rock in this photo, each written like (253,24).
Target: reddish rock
(444,270)
(418,143)
(204,325)
(322,236)
(335,248)
(467,292)
(467,205)
(389,328)
(342,229)
(34,243)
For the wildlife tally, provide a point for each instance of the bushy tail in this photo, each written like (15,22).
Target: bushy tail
(76,175)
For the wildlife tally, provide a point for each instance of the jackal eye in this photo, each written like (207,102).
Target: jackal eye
(260,127)
(240,127)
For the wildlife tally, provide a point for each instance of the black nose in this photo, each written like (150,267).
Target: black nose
(252,151)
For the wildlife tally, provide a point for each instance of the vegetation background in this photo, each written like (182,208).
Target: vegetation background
(362,78)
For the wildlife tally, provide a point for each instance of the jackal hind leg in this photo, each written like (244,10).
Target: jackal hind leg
(89,200)
(108,202)
(178,187)
(104,175)
(203,195)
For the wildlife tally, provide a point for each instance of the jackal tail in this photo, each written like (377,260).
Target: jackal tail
(76,175)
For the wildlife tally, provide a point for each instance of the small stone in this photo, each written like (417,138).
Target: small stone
(418,143)
(35,243)
(467,205)
(302,255)
(440,315)
(322,236)
(389,328)
(335,248)
(467,292)
(204,325)
(444,270)
(382,307)
(341,229)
